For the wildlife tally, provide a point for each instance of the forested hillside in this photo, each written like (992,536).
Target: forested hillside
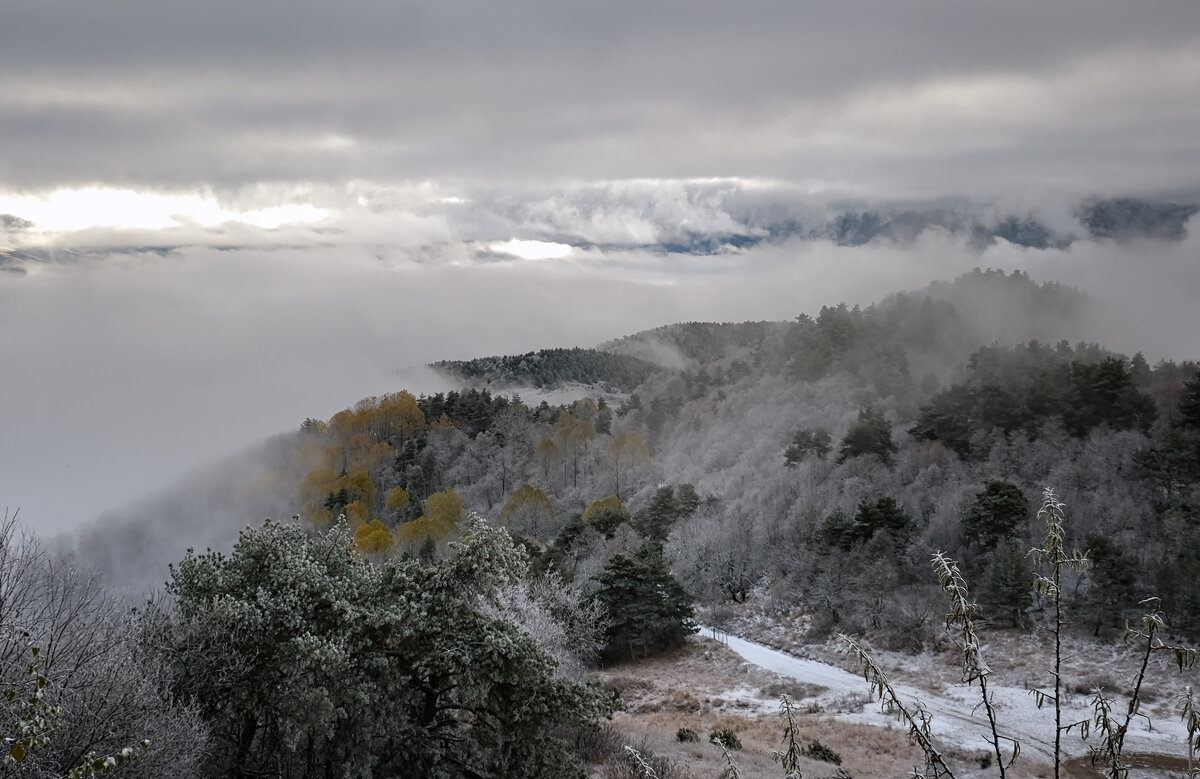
(805,467)
(783,452)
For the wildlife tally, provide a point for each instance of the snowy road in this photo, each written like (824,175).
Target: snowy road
(958,719)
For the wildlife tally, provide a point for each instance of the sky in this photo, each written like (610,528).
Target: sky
(219,218)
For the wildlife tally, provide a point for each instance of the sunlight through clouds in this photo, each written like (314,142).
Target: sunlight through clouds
(70,210)
(533,250)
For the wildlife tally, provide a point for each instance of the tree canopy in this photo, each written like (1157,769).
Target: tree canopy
(306,660)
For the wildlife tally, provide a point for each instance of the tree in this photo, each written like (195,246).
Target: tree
(649,611)
(881,514)
(606,515)
(1007,581)
(445,509)
(573,436)
(91,688)
(626,450)
(398,498)
(870,434)
(373,538)
(307,660)
(528,510)
(837,531)
(808,440)
(657,519)
(1104,393)
(995,513)
(949,417)
(1113,577)
(1189,404)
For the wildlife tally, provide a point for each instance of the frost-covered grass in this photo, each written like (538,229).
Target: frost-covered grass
(1020,661)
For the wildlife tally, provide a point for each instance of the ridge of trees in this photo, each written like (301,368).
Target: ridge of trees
(552,368)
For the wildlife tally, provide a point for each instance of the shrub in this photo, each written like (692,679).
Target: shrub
(727,737)
(818,751)
(686,735)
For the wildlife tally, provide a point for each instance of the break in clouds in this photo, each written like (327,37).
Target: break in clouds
(217,219)
(129,366)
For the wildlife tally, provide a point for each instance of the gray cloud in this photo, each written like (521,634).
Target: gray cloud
(913,98)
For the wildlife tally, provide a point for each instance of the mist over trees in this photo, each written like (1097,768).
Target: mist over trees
(810,466)
(784,432)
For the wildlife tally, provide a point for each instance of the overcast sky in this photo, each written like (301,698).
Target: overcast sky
(222,217)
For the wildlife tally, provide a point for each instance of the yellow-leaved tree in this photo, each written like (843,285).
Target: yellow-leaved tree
(443,512)
(373,538)
(528,511)
(624,451)
(398,498)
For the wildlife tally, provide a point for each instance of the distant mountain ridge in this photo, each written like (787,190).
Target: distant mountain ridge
(1120,219)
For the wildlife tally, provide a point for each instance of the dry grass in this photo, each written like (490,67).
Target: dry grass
(706,687)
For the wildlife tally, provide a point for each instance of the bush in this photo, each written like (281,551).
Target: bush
(686,736)
(727,737)
(818,751)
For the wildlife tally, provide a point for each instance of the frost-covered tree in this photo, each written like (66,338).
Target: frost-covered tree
(871,434)
(308,660)
(97,690)
(995,513)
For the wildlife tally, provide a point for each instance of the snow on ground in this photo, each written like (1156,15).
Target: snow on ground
(959,719)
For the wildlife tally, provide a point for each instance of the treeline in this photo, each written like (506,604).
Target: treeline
(551,368)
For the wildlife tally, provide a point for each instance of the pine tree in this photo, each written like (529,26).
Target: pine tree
(649,611)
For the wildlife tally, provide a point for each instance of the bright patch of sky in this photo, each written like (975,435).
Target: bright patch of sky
(533,250)
(68,210)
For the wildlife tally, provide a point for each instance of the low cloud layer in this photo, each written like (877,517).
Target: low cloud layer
(893,99)
(219,218)
(124,370)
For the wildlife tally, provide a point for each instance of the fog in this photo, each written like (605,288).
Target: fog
(123,371)
(217,220)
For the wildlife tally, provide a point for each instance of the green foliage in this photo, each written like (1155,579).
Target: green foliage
(1189,404)
(871,434)
(1104,393)
(881,514)
(1021,388)
(949,417)
(472,410)
(1179,585)
(818,751)
(873,515)
(1171,461)
(1113,581)
(606,515)
(837,531)
(657,519)
(996,512)
(687,500)
(727,737)
(552,368)
(687,736)
(649,611)
(308,660)
(1006,584)
(808,441)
